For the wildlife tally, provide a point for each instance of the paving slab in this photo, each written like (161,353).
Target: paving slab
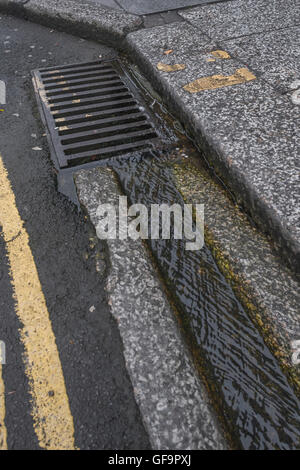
(249,132)
(274,56)
(108,3)
(144,7)
(240,18)
(158,19)
(173,402)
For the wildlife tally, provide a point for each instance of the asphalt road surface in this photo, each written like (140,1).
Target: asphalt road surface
(64,384)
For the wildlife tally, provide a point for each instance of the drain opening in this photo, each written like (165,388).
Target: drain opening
(92,112)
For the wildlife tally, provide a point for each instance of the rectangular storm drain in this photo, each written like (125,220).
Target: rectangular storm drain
(91,112)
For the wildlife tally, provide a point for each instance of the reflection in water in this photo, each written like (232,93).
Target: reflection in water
(259,405)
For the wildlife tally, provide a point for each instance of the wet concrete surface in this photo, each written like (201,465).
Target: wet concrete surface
(41,190)
(174,403)
(248,131)
(255,402)
(249,262)
(237,18)
(71,263)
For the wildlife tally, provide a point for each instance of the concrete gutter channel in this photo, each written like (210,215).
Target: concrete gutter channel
(173,403)
(267,287)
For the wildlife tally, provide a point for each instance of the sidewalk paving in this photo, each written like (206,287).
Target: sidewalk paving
(144,7)
(248,127)
(250,131)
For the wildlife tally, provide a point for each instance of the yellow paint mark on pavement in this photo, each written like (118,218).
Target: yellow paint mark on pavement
(221,54)
(52,417)
(3,432)
(170,68)
(219,81)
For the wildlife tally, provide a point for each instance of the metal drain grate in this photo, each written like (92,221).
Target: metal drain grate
(91,112)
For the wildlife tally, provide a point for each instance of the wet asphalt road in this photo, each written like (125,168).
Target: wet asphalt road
(70,263)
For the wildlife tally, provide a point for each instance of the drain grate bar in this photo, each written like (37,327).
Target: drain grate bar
(69,74)
(76,102)
(98,143)
(62,87)
(73,66)
(62,78)
(115,151)
(93,125)
(110,130)
(92,112)
(82,89)
(115,113)
(117,100)
(74,71)
(84,81)
(81,95)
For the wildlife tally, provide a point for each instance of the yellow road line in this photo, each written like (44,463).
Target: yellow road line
(240,76)
(52,417)
(3,432)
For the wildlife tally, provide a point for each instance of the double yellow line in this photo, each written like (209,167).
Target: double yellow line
(3,432)
(53,421)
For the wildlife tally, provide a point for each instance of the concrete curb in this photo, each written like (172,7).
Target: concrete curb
(261,207)
(267,289)
(173,403)
(99,24)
